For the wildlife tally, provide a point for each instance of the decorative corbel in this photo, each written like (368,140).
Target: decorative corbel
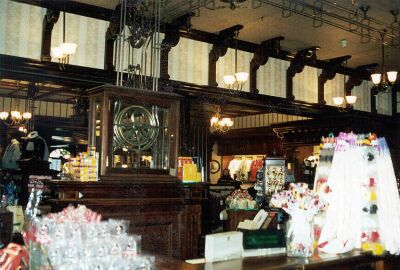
(111,35)
(262,53)
(171,39)
(328,73)
(297,65)
(219,49)
(356,78)
(49,20)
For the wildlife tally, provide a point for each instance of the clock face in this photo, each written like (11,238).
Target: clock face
(135,126)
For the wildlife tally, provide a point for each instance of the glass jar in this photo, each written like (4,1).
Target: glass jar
(300,235)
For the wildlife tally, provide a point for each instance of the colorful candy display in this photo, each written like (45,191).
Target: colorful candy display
(301,204)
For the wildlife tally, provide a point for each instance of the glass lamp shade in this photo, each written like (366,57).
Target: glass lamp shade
(27,115)
(56,52)
(242,76)
(376,78)
(338,101)
(226,122)
(392,76)
(3,115)
(229,79)
(16,115)
(68,48)
(351,99)
(214,120)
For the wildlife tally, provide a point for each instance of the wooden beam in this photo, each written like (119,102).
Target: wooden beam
(359,74)
(260,58)
(329,73)
(218,50)
(72,7)
(49,20)
(297,65)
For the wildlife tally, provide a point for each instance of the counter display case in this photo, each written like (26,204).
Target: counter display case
(136,132)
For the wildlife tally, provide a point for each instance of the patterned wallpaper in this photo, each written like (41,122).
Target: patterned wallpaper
(188,60)
(43,108)
(263,120)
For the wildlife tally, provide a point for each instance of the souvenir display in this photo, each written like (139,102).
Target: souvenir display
(240,199)
(302,204)
(274,176)
(61,240)
(363,202)
(84,167)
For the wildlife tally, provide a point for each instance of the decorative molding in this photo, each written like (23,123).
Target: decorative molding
(260,58)
(49,20)
(329,73)
(297,65)
(219,49)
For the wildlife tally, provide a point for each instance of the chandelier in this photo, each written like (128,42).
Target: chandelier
(65,50)
(15,117)
(219,124)
(236,81)
(384,80)
(347,101)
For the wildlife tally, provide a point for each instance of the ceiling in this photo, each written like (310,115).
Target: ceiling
(267,22)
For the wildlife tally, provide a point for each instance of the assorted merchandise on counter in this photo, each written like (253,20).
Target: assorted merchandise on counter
(84,167)
(240,199)
(188,169)
(302,204)
(76,238)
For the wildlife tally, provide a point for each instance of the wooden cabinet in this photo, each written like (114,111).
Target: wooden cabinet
(166,214)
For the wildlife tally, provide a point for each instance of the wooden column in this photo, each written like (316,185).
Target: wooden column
(111,35)
(171,39)
(328,73)
(219,49)
(49,20)
(395,89)
(296,66)
(262,53)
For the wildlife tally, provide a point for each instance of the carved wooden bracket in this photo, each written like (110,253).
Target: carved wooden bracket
(49,20)
(171,39)
(362,73)
(329,73)
(219,49)
(262,53)
(297,65)
(111,35)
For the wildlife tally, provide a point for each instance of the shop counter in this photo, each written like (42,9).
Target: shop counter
(351,260)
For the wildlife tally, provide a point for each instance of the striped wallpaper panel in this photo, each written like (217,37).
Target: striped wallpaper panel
(363,93)
(20,29)
(305,85)
(384,103)
(188,61)
(43,108)
(263,120)
(271,78)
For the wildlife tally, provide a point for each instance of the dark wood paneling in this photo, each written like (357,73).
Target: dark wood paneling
(166,214)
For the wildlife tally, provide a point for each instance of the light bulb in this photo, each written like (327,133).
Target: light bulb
(376,78)
(3,115)
(351,99)
(392,76)
(338,101)
(214,120)
(68,48)
(56,52)
(242,76)
(27,115)
(16,115)
(229,79)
